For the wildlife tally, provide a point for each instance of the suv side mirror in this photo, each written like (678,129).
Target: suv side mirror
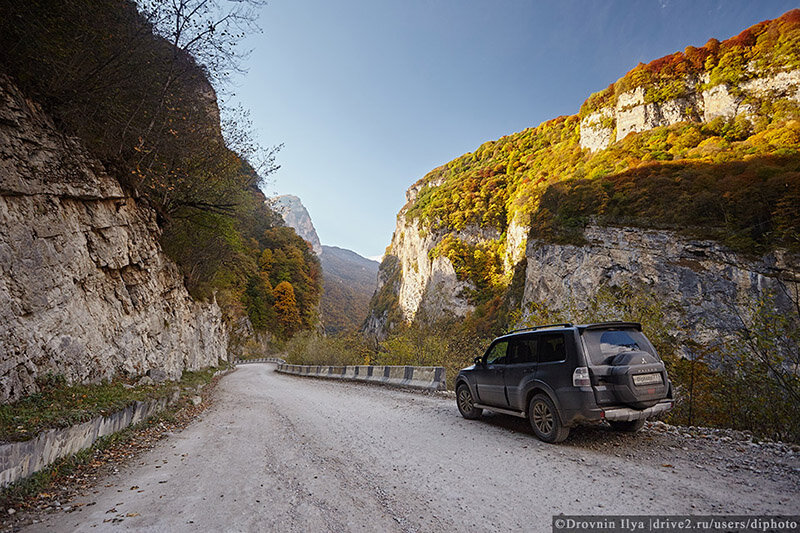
(478,361)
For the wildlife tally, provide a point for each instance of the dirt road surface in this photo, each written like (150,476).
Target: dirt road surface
(285,453)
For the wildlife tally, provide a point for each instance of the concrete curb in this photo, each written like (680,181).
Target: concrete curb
(22,459)
(416,377)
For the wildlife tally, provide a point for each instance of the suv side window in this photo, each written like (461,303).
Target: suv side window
(522,351)
(552,348)
(497,354)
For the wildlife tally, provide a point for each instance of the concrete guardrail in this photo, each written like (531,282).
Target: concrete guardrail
(22,459)
(417,377)
(276,360)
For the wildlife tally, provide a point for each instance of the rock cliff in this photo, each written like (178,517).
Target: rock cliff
(413,279)
(85,290)
(296,216)
(701,103)
(698,282)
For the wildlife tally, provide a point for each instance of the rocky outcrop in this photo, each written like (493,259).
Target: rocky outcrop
(420,280)
(698,282)
(633,113)
(516,241)
(429,282)
(85,290)
(296,216)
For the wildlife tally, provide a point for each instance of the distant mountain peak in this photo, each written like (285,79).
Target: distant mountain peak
(349,279)
(296,216)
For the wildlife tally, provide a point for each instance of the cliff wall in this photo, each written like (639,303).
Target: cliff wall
(698,282)
(632,113)
(85,290)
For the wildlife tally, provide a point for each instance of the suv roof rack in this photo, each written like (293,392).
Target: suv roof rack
(613,323)
(562,325)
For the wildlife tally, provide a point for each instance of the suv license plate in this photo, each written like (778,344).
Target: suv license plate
(647,379)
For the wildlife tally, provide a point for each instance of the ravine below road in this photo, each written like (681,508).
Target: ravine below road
(285,453)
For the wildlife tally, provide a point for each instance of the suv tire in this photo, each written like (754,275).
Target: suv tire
(466,405)
(545,421)
(627,426)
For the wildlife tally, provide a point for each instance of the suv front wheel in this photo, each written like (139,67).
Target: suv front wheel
(466,404)
(545,421)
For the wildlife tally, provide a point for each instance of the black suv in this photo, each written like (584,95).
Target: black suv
(561,375)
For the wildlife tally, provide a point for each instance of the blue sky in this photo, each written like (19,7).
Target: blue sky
(367,96)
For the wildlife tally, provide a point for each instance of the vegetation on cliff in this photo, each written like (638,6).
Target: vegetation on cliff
(765,48)
(735,179)
(710,170)
(132,82)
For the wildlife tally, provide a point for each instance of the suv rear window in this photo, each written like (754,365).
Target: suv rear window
(604,344)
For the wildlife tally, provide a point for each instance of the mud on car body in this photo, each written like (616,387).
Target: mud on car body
(562,375)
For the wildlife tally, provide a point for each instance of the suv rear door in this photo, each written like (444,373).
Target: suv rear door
(520,370)
(552,354)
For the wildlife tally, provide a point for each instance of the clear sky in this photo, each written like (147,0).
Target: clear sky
(369,95)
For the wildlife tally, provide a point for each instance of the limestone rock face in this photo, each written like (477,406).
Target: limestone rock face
(420,281)
(516,240)
(597,130)
(85,290)
(425,276)
(632,113)
(702,278)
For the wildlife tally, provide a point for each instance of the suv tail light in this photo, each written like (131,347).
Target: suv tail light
(580,378)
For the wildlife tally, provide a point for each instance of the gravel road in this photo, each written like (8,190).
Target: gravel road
(285,453)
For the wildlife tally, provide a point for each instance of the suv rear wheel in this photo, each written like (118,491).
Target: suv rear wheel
(628,426)
(465,403)
(545,421)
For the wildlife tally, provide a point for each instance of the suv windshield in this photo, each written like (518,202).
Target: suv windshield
(603,344)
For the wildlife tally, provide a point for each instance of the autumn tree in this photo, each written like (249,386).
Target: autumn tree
(286,309)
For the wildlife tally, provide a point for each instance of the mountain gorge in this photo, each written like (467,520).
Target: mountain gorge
(348,279)
(680,181)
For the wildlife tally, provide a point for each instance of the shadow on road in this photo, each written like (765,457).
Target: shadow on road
(596,437)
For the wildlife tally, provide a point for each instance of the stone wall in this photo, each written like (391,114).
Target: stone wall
(85,289)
